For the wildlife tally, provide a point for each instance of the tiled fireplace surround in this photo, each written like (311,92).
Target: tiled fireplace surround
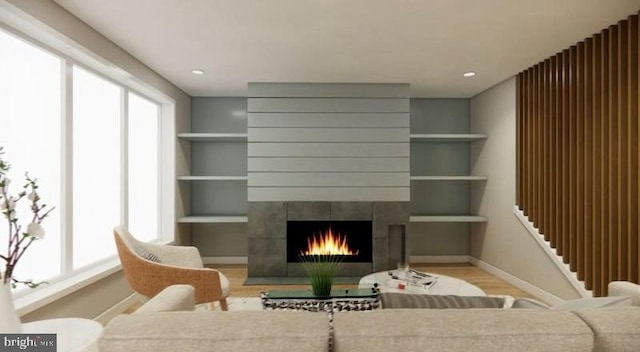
(268,230)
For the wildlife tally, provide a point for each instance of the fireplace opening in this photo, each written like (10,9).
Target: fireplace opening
(350,239)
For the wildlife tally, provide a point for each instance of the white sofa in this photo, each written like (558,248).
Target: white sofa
(166,323)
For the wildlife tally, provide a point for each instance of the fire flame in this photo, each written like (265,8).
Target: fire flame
(328,243)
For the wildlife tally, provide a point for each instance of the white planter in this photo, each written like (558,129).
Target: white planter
(10,321)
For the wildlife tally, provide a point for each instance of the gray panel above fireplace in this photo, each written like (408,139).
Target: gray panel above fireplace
(328,142)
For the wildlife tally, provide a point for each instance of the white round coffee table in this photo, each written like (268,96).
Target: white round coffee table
(444,285)
(73,334)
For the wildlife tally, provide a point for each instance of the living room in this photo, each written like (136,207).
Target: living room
(282,43)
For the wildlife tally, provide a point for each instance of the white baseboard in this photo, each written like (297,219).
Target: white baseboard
(439,259)
(551,253)
(119,308)
(533,290)
(225,260)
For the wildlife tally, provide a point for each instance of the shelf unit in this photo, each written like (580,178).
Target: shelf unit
(217,179)
(437,138)
(447,138)
(440,179)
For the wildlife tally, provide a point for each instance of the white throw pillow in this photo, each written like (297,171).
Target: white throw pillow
(593,303)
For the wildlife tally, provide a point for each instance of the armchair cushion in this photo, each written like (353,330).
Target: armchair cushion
(182,256)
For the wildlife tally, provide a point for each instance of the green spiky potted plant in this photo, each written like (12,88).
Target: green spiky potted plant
(321,269)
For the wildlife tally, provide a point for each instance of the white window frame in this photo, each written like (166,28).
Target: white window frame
(71,53)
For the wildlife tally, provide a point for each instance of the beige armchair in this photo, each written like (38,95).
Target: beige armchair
(150,268)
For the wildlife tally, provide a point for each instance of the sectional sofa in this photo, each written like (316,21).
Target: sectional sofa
(168,323)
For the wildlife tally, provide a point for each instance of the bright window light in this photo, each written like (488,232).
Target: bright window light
(143,168)
(97,186)
(30,116)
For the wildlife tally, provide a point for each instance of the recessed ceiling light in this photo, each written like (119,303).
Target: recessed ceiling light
(197,72)
(469,74)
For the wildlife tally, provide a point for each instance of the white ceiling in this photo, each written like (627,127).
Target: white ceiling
(427,43)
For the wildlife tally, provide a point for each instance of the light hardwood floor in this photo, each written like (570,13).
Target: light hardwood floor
(490,284)
(470,273)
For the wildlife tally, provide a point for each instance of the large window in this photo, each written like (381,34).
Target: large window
(97,182)
(143,167)
(30,130)
(96,159)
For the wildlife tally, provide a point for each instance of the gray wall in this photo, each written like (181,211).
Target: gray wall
(328,142)
(503,242)
(96,298)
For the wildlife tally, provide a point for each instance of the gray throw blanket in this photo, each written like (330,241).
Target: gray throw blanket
(404,300)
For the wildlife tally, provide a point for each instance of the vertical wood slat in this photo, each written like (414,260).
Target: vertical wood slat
(634,152)
(525,135)
(540,149)
(551,155)
(547,152)
(623,138)
(533,144)
(579,161)
(579,167)
(613,153)
(588,164)
(597,233)
(637,195)
(535,154)
(540,145)
(604,161)
(573,187)
(558,155)
(523,141)
(529,146)
(566,58)
(519,131)
(526,195)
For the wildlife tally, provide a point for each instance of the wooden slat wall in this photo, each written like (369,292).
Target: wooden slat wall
(579,157)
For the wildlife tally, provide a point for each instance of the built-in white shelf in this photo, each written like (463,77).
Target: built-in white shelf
(447,218)
(214,137)
(213,178)
(447,137)
(207,219)
(448,178)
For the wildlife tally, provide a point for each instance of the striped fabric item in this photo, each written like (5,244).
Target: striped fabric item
(404,300)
